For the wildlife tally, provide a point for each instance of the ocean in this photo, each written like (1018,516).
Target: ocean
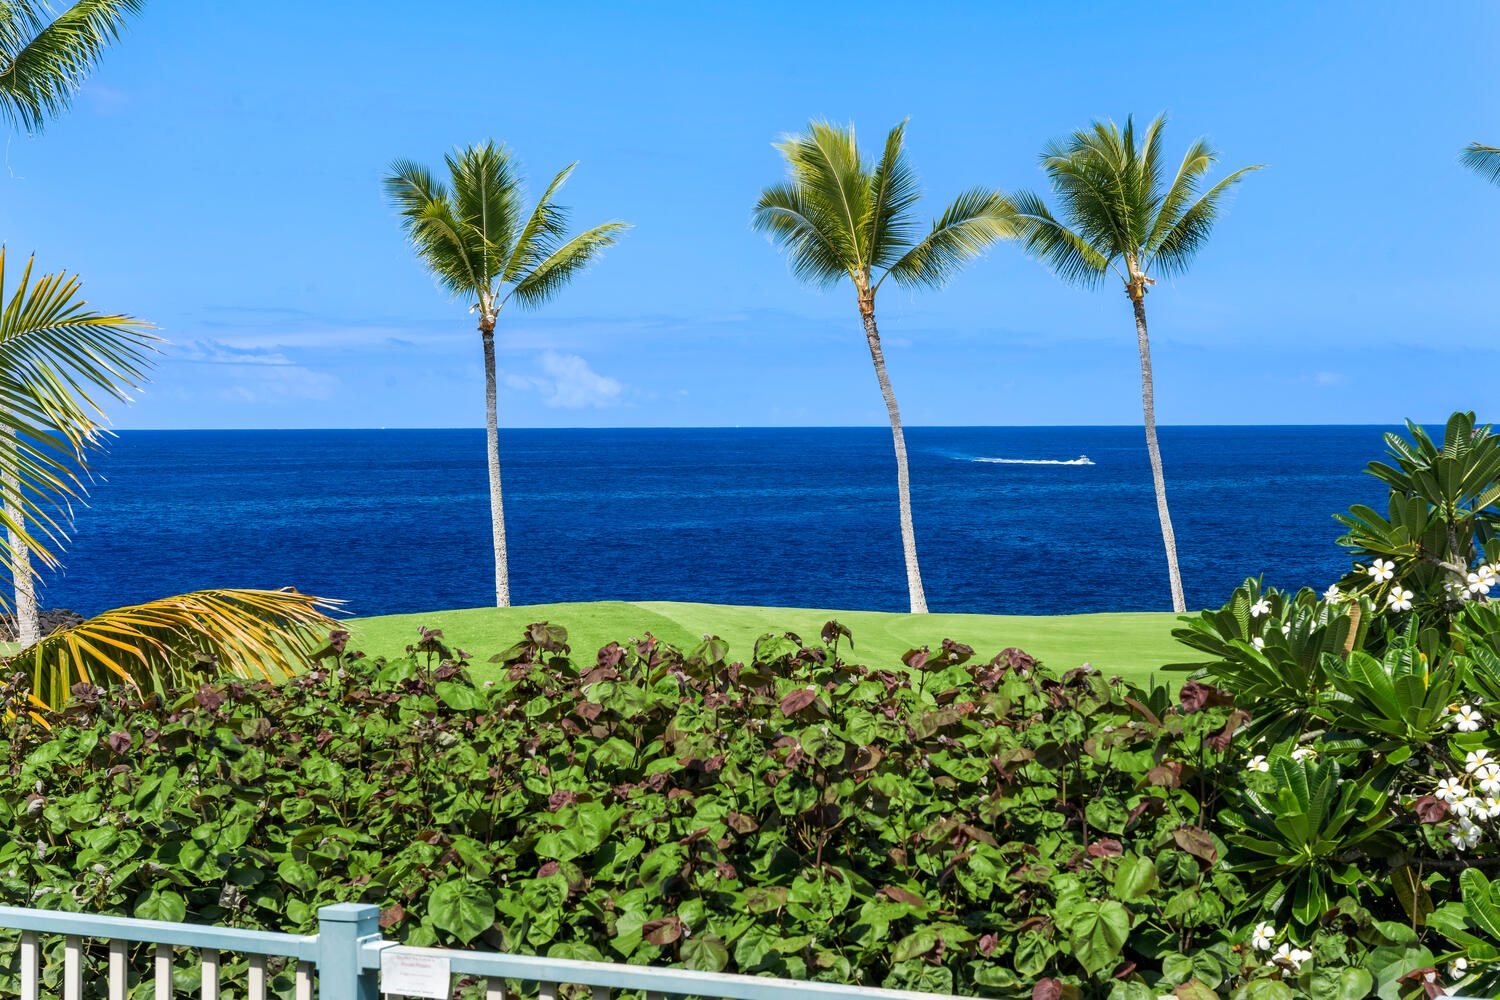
(394,521)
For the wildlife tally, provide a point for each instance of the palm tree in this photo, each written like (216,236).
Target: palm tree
(475,238)
(1483,160)
(56,356)
(839,216)
(44,57)
(1121,215)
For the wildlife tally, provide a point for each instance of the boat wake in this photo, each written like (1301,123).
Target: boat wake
(1080,460)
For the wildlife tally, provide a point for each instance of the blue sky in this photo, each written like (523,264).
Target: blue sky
(220,176)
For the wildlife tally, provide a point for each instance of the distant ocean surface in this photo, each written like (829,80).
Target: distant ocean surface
(397,520)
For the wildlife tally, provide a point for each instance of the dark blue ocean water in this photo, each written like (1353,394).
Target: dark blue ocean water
(397,521)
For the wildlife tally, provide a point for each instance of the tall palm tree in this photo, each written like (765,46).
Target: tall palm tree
(56,358)
(1483,160)
(840,216)
(1121,215)
(44,56)
(474,236)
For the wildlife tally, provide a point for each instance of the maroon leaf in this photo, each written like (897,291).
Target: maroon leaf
(1047,989)
(901,895)
(1220,740)
(208,698)
(1430,809)
(797,700)
(1195,697)
(916,659)
(561,797)
(1197,842)
(663,931)
(1106,849)
(392,915)
(120,742)
(988,943)
(740,823)
(1167,774)
(550,868)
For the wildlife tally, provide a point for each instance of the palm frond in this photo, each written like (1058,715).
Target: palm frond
(825,165)
(487,192)
(44,59)
(1085,178)
(1066,253)
(1199,157)
(891,226)
(1483,160)
(431,223)
(549,277)
(56,357)
(793,225)
(542,234)
(255,634)
(974,222)
(1183,241)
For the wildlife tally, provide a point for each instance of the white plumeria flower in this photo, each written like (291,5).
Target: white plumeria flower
(1465,834)
(1467,805)
(1258,763)
(1488,777)
(1458,968)
(1450,790)
(1258,643)
(1475,759)
(1398,599)
(1304,753)
(1468,719)
(1288,955)
(1381,570)
(1491,807)
(1260,607)
(1262,936)
(1333,593)
(1480,584)
(1286,628)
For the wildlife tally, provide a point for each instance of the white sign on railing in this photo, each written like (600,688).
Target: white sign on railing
(415,975)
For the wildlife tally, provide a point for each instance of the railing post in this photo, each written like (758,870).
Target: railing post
(342,930)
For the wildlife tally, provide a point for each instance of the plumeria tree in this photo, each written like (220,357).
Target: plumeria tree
(476,238)
(1121,212)
(840,215)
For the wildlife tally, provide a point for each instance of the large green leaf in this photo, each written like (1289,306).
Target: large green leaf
(462,908)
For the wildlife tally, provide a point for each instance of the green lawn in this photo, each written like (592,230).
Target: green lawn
(1133,645)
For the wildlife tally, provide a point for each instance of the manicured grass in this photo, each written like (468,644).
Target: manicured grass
(1133,645)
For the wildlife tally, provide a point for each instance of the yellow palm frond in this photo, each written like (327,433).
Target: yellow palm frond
(254,634)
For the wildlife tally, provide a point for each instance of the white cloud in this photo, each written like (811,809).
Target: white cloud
(568,383)
(252,376)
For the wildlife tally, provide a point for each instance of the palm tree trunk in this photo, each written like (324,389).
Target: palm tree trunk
(1148,404)
(903,479)
(28,627)
(492,448)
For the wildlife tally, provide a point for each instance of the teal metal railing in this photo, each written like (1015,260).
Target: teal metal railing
(346,959)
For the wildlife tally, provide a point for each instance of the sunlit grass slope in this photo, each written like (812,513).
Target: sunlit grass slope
(1133,645)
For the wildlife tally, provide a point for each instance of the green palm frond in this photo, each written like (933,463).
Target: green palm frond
(976,221)
(1483,160)
(1112,198)
(543,233)
(1187,236)
(254,634)
(549,277)
(1071,257)
(825,163)
(795,226)
(56,358)
(890,226)
(44,59)
(487,192)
